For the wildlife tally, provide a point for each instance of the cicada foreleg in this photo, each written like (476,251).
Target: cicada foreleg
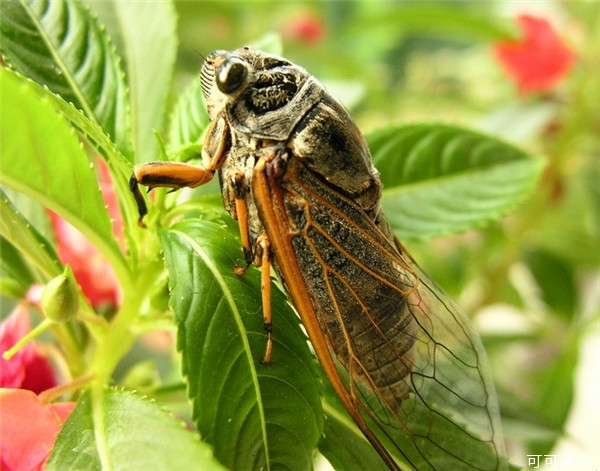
(176,175)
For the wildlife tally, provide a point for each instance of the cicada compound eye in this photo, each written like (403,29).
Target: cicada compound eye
(231,75)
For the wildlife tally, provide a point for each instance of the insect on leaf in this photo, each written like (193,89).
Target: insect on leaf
(297,175)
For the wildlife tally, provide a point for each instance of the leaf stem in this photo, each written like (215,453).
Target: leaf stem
(32,334)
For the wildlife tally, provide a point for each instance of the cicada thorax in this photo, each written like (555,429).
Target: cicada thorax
(261,98)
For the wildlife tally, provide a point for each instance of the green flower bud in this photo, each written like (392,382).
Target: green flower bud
(60,298)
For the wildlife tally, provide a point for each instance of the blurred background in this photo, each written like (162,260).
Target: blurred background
(531,282)
(523,71)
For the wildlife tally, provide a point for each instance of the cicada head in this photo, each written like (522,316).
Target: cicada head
(215,99)
(260,92)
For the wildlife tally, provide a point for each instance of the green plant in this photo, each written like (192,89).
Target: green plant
(71,98)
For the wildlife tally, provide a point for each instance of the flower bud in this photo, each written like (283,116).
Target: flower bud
(60,298)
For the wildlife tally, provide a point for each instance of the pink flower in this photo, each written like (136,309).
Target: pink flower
(28,368)
(110,199)
(92,271)
(28,429)
(537,61)
(305,27)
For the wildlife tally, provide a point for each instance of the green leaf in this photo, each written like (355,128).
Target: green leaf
(12,261)
(60,45)
(42,158)
(271,43)
(190,118)
(149,35)
(187,127)
(343,444)
(17,233)
(137,435)
(119,166)
(95,135)
(539,420)
(555,279)
(255,416)
(441,180)
(554,388)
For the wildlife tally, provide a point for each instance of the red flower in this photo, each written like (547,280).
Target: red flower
(539,60)
(92,271)
(28,429)
(27,369)
(305,27)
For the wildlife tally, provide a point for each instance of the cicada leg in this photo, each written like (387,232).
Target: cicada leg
(259,254)
(237,183)
(176,175)
(173,175)
(263,260)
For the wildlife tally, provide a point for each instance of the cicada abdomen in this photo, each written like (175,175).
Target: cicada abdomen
(413,371)
(357,282)
(297,174)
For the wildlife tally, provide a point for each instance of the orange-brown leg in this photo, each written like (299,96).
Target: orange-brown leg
(263,260)
(173,175)
(178,175)
(259,255)
(237,182)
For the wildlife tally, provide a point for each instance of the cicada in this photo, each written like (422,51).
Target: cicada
(297,175)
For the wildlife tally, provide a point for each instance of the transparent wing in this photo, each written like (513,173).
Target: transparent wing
(411,363)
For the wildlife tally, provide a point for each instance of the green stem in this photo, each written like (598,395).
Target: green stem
(113,341)
(50,395)
(32,334)
(98,414)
